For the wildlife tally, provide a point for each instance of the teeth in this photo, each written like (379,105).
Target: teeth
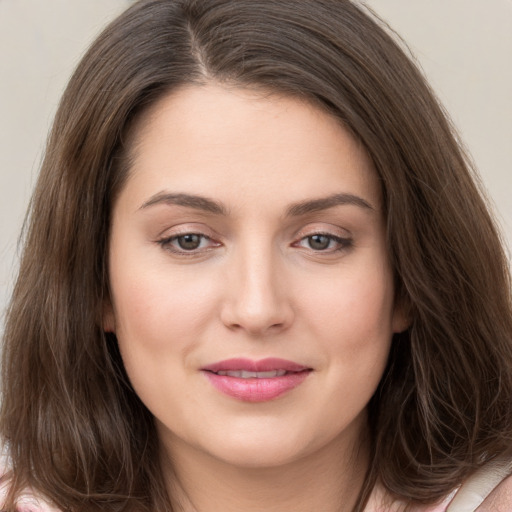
(242,374)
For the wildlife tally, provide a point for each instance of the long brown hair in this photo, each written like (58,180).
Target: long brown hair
(76,431)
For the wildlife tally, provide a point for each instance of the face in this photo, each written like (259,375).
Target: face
(252,297)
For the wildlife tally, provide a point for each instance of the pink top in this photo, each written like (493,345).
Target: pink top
(28,501)
(378,503)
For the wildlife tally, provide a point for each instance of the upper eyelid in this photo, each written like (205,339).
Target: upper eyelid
(199,228)
(336,238)
(179,235)
(323,229)
(174,236)
(167,244)
(187,229)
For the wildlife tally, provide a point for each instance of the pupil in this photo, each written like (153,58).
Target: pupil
(189,242)
(319,242)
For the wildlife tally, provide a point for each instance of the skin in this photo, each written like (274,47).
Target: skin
(500,499)
(256,286)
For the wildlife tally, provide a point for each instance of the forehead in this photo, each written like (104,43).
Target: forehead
(212,138)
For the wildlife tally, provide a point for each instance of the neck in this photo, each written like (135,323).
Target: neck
(329,480)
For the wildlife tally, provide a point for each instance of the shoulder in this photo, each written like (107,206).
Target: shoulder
(381,501)
(28,501)
(487,490)
(500,499)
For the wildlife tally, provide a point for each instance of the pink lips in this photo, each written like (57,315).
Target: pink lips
(255,381)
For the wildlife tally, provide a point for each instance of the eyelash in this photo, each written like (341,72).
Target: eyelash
(342,244)
(167,242)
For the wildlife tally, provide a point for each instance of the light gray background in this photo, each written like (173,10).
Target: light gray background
(464,47)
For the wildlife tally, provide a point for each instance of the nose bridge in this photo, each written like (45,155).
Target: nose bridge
(257,300)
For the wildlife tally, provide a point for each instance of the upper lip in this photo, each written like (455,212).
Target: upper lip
(263,365)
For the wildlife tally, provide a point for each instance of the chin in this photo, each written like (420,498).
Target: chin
(271,447)
(262,456)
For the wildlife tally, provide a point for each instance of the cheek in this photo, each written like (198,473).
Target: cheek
(349,318)
(353,329)
(357,309)
(156,307)
(160,319)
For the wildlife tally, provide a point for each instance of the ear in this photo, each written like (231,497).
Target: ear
(108,318)
(402,317)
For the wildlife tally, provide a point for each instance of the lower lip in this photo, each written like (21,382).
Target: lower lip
(256,390)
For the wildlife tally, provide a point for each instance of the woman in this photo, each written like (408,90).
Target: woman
(258,275)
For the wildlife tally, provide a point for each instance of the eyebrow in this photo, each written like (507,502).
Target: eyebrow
(324,203)
(295,210)
(188,200)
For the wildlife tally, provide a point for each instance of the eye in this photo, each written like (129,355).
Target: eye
(322,242)
(319,242)
(187,243)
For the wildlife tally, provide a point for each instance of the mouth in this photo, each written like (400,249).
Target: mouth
(256,381)
(243,374)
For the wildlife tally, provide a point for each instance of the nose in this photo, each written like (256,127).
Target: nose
(258,300)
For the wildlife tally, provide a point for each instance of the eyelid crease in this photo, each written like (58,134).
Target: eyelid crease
(322,228)
(188,228)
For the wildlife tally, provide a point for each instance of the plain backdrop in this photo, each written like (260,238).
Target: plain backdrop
(463,46)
